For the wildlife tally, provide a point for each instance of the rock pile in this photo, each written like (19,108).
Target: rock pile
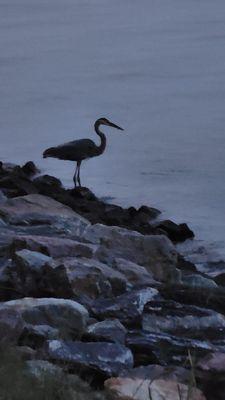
(102,292)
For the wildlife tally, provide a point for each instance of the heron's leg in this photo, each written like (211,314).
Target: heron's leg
(78,174)
(75,176)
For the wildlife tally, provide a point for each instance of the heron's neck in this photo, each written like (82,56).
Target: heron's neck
(102,145)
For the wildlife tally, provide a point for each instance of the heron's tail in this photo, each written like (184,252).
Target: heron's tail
(49,152)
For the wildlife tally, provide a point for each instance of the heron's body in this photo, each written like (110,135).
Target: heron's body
(79,150)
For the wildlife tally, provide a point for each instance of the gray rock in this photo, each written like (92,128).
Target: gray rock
(27,272)
(31,260)
(68,316)
(107,359)
(110,330)
(155,252)
(198,281)
(38,209)
(135,274)
(139,389)
(88,276)
(35,274)
(127,308)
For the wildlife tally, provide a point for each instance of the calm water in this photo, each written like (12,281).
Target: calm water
(155,67)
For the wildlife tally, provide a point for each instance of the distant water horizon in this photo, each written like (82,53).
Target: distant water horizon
(155,68)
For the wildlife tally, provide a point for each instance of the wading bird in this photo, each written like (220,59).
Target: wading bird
(79,150)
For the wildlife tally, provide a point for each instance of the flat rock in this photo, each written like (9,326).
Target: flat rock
(68,316)
(53,246)
(139,389)
(38,209)
(161,348)
(106,359)
(110,330)
(183,320)
(127,308)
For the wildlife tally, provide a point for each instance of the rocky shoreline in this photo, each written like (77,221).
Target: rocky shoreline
(101,291)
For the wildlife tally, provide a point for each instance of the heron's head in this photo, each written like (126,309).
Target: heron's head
(105,121)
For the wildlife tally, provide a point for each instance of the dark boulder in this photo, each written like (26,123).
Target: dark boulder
(99,358)
(176,232)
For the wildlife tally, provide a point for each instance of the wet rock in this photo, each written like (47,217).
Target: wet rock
(151,212)
(83,193)
(101,358)
(136,275)
(138,389)
(44,182)
(13,186)
(53,246)
(164,349)
(155,252)
(30,169)
(127,308)
(15,182)
(11,326)
(176,233)
(68,316)
(183,320)
(110,330)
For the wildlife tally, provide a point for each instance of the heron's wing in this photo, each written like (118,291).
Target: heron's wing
(76,150)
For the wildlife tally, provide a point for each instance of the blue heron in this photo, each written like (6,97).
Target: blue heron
(79,150)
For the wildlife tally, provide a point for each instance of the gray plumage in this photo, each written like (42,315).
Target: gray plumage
(79,150)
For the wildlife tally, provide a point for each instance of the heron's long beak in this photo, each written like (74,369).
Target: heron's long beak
(115,126)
